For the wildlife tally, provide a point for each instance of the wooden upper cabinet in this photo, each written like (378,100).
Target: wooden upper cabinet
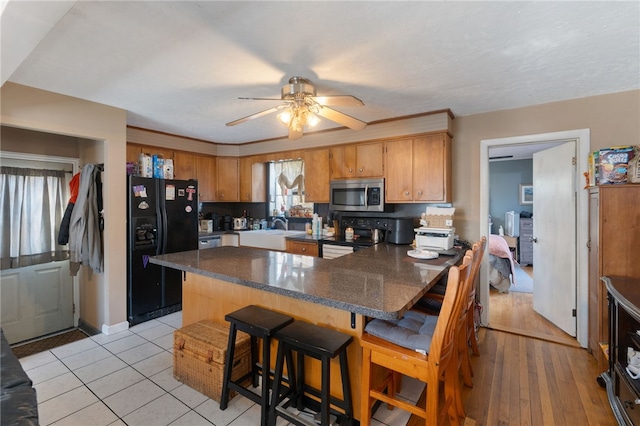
(206,168)
(133,153)
(369,160)
(432,168)
(253,186)
(418,169)
(316,175)
(343,162)
(399,171)
(185,166)
(228,179)
(357,161)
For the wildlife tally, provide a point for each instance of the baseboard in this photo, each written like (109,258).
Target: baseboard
(87,328)
(116,328)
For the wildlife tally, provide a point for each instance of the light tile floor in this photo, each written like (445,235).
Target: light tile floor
(127,379)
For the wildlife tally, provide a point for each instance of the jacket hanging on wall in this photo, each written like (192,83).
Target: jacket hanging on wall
(85,236)
(63,234)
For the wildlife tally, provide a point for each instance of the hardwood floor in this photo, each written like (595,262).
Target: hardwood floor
(513,312)
(520,380)
(529,372)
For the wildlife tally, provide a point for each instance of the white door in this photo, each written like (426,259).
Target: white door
(554,236)
(36,300)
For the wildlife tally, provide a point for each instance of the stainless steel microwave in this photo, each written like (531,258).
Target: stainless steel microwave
(357,195)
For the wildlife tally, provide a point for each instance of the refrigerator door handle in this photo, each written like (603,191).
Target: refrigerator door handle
(162,219)
(165,228)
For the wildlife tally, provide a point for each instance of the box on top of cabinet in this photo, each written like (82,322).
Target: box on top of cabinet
(614,163)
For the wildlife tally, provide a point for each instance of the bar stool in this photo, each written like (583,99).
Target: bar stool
(259,323)
(322,344)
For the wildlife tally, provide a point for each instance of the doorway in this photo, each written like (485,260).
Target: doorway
(39,299)
(582,138)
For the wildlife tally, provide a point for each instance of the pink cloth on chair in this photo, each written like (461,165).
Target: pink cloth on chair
(498,247)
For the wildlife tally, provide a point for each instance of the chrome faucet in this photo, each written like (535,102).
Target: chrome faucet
(284,221)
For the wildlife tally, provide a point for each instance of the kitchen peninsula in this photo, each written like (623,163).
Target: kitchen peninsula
(379,282)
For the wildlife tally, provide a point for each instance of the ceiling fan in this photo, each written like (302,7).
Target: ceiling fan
(302,107)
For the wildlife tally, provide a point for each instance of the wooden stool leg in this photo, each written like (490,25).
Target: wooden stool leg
(277,380)
(365,386)
(266,365)
(254,362)
(346,385)
(326,395)
(228,367)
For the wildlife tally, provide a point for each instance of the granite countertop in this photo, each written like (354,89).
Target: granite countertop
(379,281)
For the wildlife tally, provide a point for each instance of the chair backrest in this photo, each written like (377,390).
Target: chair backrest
(477,257)
(478,250)
(454,298)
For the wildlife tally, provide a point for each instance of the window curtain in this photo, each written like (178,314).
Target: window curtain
(32,203)
(288,185)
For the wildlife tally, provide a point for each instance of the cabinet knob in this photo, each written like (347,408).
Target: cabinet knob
(406,192)
(304,249)
(419,192)
(361,169)
(350,170)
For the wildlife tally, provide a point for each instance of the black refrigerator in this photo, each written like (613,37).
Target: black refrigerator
(162,217)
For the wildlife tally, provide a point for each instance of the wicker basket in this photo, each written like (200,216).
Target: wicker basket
(439,221)
(199,353)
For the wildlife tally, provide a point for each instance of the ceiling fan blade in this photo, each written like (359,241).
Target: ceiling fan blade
(262,99)
(294,134)
(256,115)
(344,119)
(338,100)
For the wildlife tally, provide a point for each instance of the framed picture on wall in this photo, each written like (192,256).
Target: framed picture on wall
(526,195)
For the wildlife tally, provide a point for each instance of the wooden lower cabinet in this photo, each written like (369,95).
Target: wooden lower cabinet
(614,232)
(307,248)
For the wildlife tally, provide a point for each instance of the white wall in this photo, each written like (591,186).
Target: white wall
(103,296)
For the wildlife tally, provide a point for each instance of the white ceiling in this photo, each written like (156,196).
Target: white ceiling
(179,67)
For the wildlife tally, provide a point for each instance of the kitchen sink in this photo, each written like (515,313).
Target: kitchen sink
(271,239)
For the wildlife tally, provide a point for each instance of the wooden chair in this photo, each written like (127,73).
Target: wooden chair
(435,365)
(472,338)
(465,330)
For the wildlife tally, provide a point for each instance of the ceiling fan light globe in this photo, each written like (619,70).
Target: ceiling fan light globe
(285,117)
(312,119)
